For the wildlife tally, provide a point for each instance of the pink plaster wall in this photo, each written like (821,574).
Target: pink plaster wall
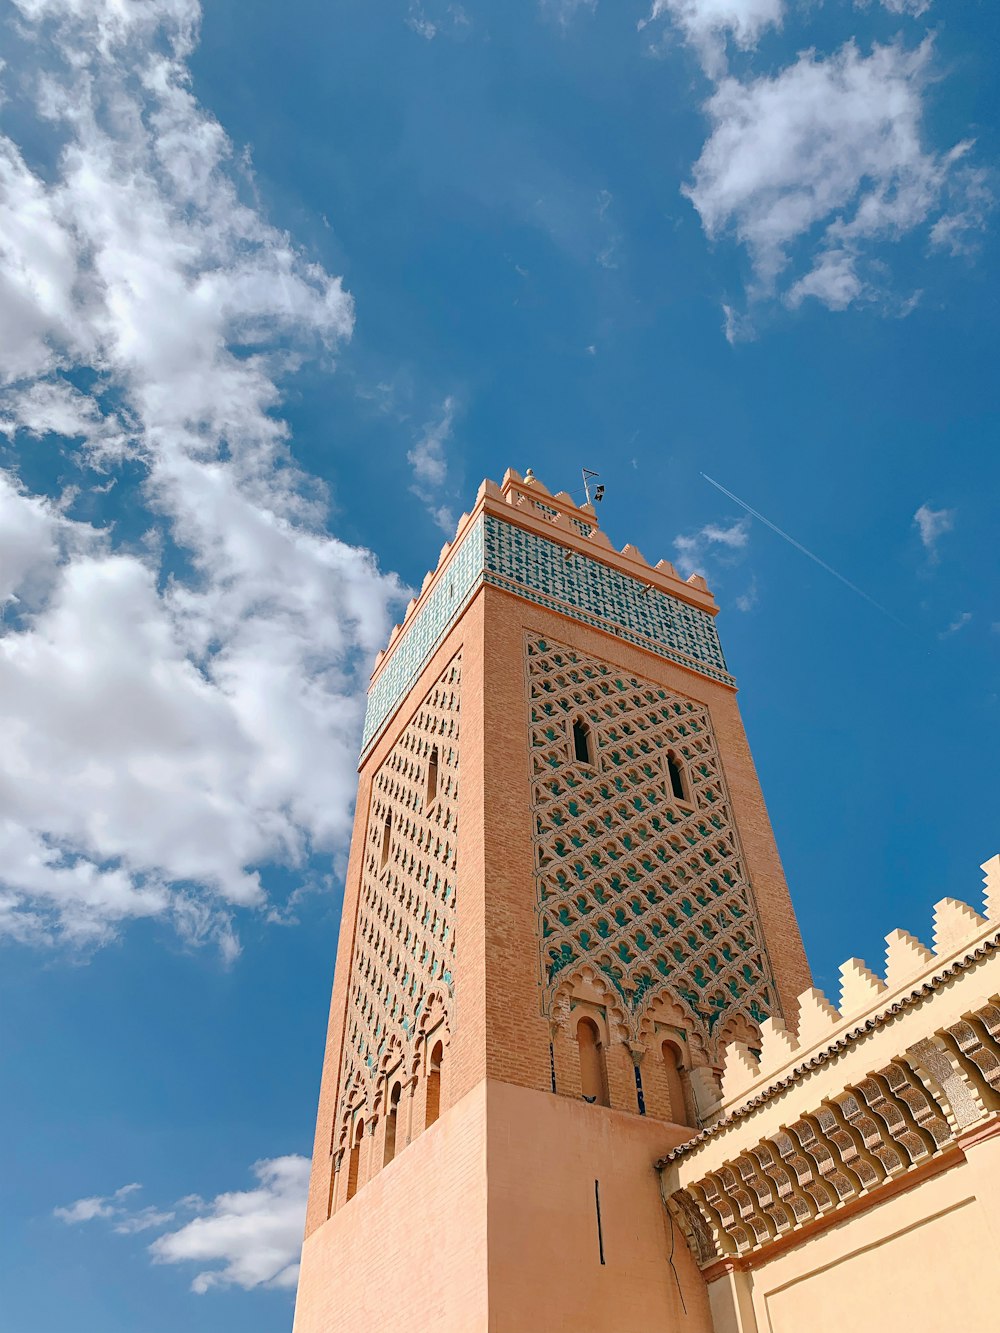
(408,1252)
(544,1155)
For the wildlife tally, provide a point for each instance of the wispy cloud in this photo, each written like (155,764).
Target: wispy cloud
(249,1238)
(429,461)
(959,623)
(932,524)
(104,1206)
(607,255)
(564,11)
(748,600)
(696,551)
(432,21)
(912,7)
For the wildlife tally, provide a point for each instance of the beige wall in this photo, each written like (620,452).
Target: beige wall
(920,1263)
(859,1188)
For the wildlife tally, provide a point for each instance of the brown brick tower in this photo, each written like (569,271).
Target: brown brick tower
(563,901)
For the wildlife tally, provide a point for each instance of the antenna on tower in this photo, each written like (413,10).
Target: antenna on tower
(598,495)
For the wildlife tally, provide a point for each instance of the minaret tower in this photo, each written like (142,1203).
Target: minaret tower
(563,901)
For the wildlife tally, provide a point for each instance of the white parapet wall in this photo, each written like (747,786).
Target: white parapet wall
(957,931)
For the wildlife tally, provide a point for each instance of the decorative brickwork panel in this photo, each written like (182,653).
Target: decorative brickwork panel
(638,868)
(401,970)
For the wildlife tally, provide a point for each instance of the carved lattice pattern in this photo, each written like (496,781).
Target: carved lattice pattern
(404,947)
(646,887)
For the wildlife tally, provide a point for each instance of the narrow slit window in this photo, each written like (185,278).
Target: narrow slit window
(432,778)
(678,779)
(386,838)
(640,1095)
(583,742)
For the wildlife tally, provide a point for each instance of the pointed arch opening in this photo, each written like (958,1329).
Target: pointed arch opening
(432,778)
(583,742)
(354,1159)
(434,1085)
(593,1064)
(391,1124)
(675,1075)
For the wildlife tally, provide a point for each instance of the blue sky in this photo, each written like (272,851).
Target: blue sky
(278,286)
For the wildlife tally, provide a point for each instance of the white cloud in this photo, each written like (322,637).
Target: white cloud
(695,551)
(706,25)
(255,1235)
(932,524)
(813,166)
(429,461)
(170,729)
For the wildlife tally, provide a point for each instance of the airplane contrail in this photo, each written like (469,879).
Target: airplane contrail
(799,547)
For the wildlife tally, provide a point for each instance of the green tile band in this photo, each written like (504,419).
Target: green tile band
(585,589)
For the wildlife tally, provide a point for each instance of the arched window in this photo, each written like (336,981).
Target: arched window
(386,838)
(673,1067)
(593,1067)
(390,1125)
(678,778)
(434,1085)
(432,778)
(583,742)
(354,1160)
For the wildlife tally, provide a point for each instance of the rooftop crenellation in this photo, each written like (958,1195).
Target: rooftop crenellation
(865,996)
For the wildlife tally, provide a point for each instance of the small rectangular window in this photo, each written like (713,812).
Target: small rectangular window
(583,749)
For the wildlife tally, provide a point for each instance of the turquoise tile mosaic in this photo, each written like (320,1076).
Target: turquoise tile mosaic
(425,630)
(535,568)
(598,595)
